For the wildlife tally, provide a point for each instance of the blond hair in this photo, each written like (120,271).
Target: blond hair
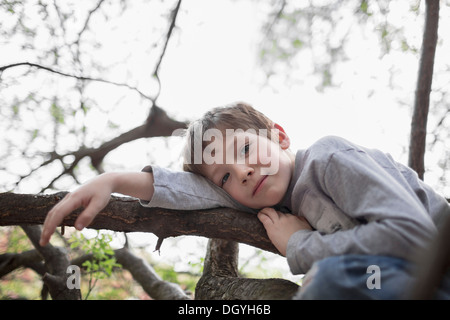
(234,116)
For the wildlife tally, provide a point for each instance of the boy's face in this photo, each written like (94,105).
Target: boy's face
(253,169)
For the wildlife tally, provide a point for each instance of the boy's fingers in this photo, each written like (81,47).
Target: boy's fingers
(67,205)
(49,228)
(271,213)
(264,218)
(50,224)
(89,213)
(85,218)
(268,216)
(55,216)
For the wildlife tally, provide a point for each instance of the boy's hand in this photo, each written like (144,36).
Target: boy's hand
(280,227)
(93,196)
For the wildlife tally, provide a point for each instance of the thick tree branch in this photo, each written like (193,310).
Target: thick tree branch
(56,263)
(127,215)
(27,259)
(158,124)
(148,279)
(221,281)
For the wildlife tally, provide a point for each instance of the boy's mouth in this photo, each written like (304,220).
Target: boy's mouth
(259,185)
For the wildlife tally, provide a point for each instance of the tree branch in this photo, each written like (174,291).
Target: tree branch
(157,124)
(56,263)
(27,259)
(35,65)
(422,100)
(173,15)
(88,18)
(127,215)
(221,281)
(143,274)
(147,278)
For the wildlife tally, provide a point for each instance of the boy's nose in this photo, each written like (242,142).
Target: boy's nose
(245,173)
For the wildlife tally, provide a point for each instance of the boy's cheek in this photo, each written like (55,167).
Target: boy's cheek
(272,169)
(270,164)
(269,158)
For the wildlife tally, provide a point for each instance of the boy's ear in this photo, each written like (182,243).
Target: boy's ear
(283,138)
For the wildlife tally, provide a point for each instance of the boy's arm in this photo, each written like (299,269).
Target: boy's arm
(187,191)
(154,187)
(393,220)
(94,196)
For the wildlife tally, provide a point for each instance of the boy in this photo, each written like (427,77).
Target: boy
(351,207)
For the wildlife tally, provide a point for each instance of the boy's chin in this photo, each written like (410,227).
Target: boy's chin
(259,206)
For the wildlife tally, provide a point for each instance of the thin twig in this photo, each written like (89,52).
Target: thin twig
(35,65)
(173,15)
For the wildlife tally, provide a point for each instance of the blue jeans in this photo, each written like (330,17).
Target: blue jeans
(363,277)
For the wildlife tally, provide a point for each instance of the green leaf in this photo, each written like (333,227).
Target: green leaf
(87,264)
(405,46)
(297,43)
(365,7)
(57,113)
(15,109)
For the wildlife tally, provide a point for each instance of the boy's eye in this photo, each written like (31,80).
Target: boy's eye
(224,179)
(245,149)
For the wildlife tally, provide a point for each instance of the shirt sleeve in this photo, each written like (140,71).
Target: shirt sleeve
(181,190)
(393,220)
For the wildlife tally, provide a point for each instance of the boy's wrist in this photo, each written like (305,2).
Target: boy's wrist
(134,184)
(110,180)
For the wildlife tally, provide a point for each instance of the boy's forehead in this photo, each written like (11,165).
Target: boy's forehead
(223,148)
(228,142)
(219,145)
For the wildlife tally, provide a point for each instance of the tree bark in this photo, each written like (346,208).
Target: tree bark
(127,215)
(56,263)
(148,279)
(158,124)
(221,280)
(27,259)
(422,99)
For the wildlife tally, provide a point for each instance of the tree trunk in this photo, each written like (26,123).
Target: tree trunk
(435,260)
(422,99)
(221,281)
